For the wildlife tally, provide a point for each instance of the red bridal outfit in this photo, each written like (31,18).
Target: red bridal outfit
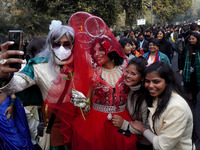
(109,91)
(105,87)
(97,132)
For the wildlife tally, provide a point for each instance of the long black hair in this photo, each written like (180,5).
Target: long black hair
(193,48)
(140,64)
(163,70)
(124,41)
(164,35)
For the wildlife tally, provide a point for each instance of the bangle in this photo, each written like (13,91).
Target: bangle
(12,101)
(12,104)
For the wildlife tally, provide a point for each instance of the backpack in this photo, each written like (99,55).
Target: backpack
(180,45)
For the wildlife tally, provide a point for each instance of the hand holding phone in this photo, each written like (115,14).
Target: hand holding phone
(17,37)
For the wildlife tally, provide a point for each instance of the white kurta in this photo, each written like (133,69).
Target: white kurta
(20,81)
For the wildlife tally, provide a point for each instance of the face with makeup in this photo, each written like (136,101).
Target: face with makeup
(132,76)
(155,84)
(100,54)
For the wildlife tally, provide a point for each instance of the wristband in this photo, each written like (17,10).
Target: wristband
(12,102)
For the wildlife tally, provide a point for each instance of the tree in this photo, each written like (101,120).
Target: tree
(108,10)
(34,16)
(5,23)
(133,10)
(167,10)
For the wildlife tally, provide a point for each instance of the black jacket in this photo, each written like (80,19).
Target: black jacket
(166,48)
(145,45)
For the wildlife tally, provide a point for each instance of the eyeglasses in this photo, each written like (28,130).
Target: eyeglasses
(65,45)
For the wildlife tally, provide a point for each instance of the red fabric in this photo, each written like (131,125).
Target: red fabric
(89,30)
(104,94)
(97,133)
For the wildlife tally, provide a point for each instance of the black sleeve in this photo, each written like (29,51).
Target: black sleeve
(146,47)
(181,59)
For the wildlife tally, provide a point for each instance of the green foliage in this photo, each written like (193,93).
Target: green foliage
(5,23)
(167,10)
(34,16)
(133,9)
(108,10)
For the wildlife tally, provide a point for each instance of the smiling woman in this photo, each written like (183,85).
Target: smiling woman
(170,117)
(136,102)
(127,46)
(154,54)
(155,84)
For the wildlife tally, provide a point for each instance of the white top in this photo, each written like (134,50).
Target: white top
(173,130)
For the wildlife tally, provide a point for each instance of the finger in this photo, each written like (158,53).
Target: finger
(114,125)
(15,60)
(131,123)
(114,122)
(5,112)
(6,69)
(5,46)
(114,119)
(10,53)
(115,116)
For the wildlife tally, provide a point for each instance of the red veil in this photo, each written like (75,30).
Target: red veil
(87,29)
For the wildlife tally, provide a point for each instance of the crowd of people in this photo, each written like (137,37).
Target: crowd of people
(85,90)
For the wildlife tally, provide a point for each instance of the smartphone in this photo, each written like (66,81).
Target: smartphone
(17,37)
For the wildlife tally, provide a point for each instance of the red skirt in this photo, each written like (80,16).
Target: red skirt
(98,133)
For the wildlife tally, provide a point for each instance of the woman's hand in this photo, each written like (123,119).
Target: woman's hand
(181,72)
(117,121)
(9,112)
(138,125)
(6,59)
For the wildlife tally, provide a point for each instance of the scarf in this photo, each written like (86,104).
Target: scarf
(186,70)
(135,88)
(157,58)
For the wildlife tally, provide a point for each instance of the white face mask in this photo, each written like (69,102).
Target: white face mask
(62,53)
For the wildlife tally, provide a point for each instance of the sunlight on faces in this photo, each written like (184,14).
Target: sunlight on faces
(100,54)
(153,47)
(132,76)
(160,35)
(154,84)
